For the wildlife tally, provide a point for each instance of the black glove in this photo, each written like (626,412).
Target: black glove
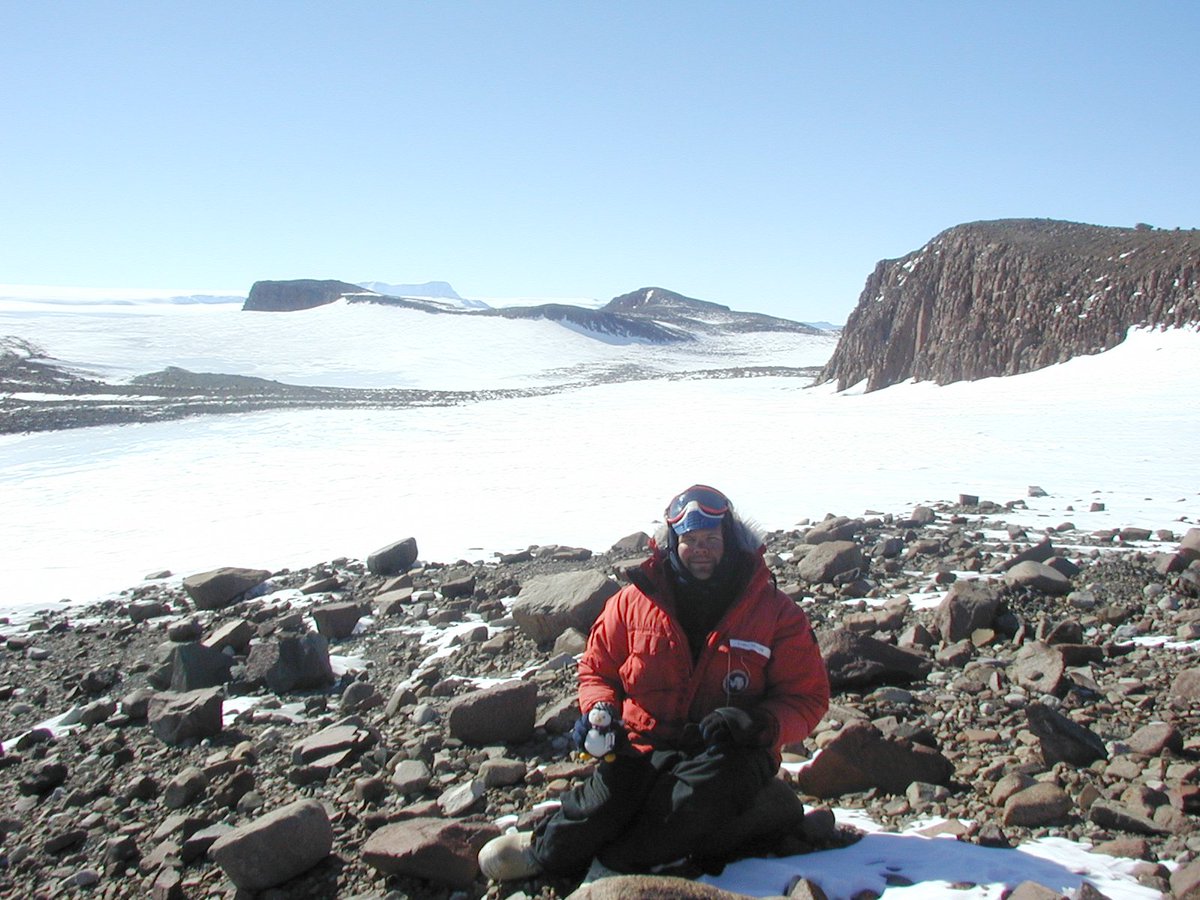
(585,724)
(730,725)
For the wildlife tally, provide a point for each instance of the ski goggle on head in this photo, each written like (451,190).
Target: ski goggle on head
(700,506)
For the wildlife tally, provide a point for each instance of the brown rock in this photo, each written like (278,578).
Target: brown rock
(550,604)
(336,621)
(218,588)
(175,718)
(1185,881)
(276,847)
(1040,804)
(443,851)
(1039,667)
(1039,577)
(1031,890)
(860,758)
(828,560)
(1115,817)
(855,660)
(1189,547)
(967,606)
(1187,686)
(394,558)
(495,715)
(1061,739)
(1153,739)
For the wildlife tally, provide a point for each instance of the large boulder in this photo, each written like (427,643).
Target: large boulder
(861,758)
(347,740)
(336,621)
(504,713)
(176,718)
(276,847)
(393,559)
(550,604)
(1042,551)
(236,635)
(856,660)
(218,588)
(1115,817)
(189,667)
(1186,686)
(1040,668)
(1038,577)
(828,560)
(291,663)
(835,528)
(1185,881)
(967,606)
(1189,547)
(1063,740)
(1039,804)
(443,851)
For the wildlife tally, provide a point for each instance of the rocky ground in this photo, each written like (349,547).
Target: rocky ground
(1027,702)
(39,394)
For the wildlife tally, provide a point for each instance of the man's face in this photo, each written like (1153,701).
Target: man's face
(701,550)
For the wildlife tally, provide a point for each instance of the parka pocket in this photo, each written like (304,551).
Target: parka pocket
(648,664)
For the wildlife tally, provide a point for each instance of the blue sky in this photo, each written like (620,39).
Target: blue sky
(764,155)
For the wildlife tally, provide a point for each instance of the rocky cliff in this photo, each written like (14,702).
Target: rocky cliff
(1011,296)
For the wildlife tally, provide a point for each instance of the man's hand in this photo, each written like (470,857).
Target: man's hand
(730,725)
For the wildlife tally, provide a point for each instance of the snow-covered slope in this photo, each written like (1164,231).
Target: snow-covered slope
(369,345)
(584,466)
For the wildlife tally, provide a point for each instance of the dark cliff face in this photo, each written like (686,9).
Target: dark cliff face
(301,293)
(1012,296)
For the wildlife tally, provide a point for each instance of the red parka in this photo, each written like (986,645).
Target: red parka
(761,655)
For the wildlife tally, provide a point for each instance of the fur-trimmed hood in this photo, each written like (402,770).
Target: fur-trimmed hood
(740,534)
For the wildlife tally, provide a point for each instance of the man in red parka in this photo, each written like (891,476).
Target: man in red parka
(707,669)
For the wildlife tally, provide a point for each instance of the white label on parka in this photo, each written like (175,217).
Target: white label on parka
(760,649)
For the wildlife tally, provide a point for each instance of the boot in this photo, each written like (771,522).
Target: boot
(509,857)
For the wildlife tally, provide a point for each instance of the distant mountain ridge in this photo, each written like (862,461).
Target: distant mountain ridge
(440,289)
(1010,296)
(651,314)
(437,290)
(690,314)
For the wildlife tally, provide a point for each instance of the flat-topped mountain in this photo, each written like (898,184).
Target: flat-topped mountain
(297,294)
(1011,296)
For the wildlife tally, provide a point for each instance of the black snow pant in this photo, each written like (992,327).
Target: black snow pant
(643,810)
